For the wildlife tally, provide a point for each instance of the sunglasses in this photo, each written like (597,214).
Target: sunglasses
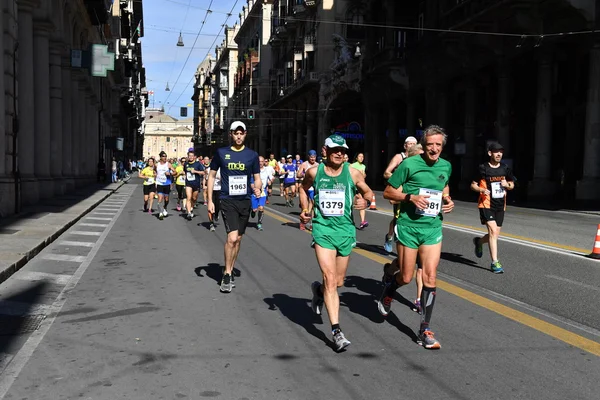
(337,150)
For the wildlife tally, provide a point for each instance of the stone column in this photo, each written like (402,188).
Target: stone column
(468,160)
(26,106)
(67,157)
(4,138)
(310,132)
(56,128)
(75,127)
(41,78)
(503,110)
(588,188)
(541,186)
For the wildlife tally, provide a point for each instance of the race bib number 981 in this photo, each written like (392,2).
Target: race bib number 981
(434,203)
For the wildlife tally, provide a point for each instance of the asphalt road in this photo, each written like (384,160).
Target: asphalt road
(133,310)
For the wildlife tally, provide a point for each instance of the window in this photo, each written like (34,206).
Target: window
(355,29)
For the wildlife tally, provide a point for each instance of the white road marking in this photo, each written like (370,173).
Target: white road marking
(63,257)
(85,233)
(18,308)
(12,371)
(104,213)
(584,285)
(73,243)
(94,225)
(107,208)
(99,218)
(34,276)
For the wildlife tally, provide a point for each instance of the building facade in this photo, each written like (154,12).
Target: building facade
(165,133)
(56,115)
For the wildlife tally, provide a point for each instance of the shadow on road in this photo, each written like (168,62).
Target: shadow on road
(299,312)
(295,225)
(213,271)
(373,248)
(113,314)
(460,259)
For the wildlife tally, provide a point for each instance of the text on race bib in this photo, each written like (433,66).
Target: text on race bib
(150,181)
(434,205)
(190,176)
(238,185)
(332,202)
(497,190)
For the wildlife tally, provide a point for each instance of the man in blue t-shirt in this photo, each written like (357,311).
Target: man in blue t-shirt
(194,174)
(289,181)
(238,165)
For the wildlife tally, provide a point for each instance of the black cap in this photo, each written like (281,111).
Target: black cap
(162,153)
(495,146)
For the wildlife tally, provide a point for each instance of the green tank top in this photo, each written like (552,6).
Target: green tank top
(334,196)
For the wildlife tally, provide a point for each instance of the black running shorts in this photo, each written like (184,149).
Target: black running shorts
(163,189)
(149,189)
(236,214)
(487,215)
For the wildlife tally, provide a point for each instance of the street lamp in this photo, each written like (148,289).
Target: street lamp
(180,41)
(357,52)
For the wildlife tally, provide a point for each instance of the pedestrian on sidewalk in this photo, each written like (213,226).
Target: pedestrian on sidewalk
(114,170)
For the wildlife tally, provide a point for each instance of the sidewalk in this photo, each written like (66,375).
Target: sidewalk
(25,235)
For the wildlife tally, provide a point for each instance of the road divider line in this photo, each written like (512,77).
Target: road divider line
(518,316)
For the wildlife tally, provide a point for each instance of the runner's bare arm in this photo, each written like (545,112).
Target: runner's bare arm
(209,194)
(476,188)
(394,162)
(307,182)
(257,185)
(448,205)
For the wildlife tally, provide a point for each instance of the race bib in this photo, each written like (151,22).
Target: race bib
(190,176)
(238,185)
(332,202)
(150,181)
(181,179)
(291,174)
(497,191)
(434,204)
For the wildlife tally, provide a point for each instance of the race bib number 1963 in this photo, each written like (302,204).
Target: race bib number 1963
(434,205)
(332,202)
(238,185)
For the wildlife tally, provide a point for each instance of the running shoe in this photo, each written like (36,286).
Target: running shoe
(302,226)
(145,209)
(268,202)
(384,304)
(496,267)
(226,285)
(340,340)
(363,225)
(178,207)
(317,298)
(259,227)
(388,243)
(252,214)
(150,212)
(417,307)
(478,247)
(292,203)
(165,213)
(212,227)
(427,340)
(161,216)
(190,216)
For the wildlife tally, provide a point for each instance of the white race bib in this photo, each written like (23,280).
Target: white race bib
(497,191)
(434,205)
(291,174)
(238,185)
(190,176)
(150,181)
(332,202)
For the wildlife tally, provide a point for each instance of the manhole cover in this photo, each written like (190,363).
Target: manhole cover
(6,231)
(18,325)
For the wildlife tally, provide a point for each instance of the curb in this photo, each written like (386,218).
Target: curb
(20,263)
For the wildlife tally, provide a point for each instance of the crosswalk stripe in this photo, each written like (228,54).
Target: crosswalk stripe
(63,257)
(59,279)
(74,243)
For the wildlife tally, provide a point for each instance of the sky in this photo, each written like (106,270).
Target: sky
(165,62)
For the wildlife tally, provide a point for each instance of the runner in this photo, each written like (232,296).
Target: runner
(206,165)
(306,165)
(359,165)
(282,174)
(273,164)
(180,183)
(270,171)
(164,171)
(149,176)
(194,171)
(421,185)
(409,142)
(258,202)
(213,217)
(298,162)
(238,164)
(289,182)
(492,182)
(334,234)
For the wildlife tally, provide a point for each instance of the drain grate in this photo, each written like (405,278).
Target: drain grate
(18,325)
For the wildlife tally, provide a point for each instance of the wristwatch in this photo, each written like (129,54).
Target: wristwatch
(407,198)
(368,203)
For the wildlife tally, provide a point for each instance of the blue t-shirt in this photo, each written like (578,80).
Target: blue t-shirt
(193,179)
(237,167)
(290,176)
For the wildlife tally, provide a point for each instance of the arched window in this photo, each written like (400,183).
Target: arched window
(355,30)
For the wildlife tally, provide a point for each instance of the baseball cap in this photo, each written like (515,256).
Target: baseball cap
(237,124)
(312,153)
(495,146)
(191,150)
(335,141)
(289,156)
(410,139)
(162,153)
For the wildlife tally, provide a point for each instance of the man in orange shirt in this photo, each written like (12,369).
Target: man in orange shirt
(494,178)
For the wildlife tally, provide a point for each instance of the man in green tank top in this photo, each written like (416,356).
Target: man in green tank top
(420,185)
(338,188)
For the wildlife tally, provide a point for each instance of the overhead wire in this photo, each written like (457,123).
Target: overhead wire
(211,46)
(208,12)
